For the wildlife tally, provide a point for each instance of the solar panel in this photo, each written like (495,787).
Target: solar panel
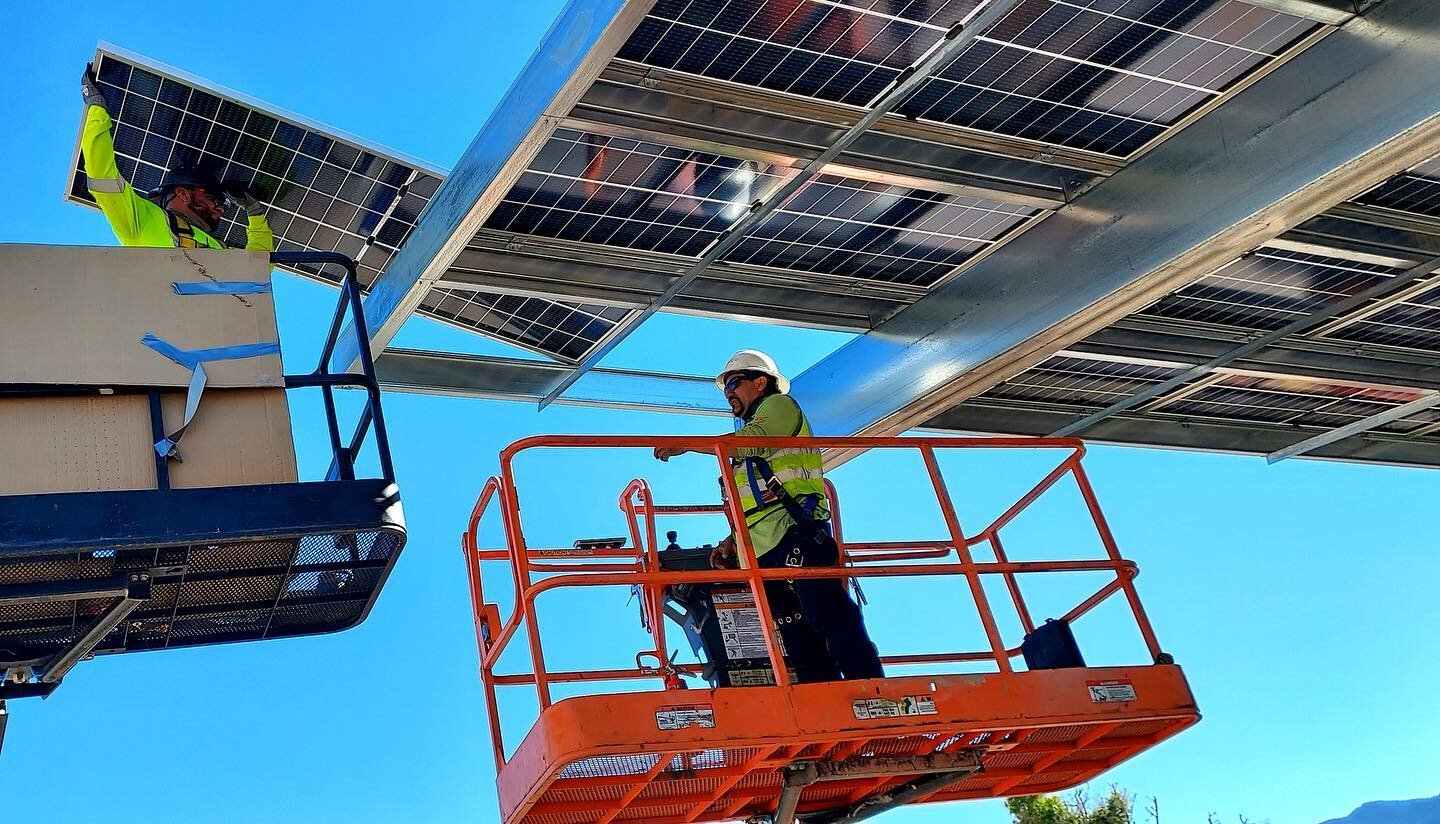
(1082,383)
(846,53)
(1101,75)
(1079,382)
(876,231)
(1269,288)
(639,194)
(634,194)
(1294,401)
(1416,190)
(566,330)
(325,192)
(1412,323)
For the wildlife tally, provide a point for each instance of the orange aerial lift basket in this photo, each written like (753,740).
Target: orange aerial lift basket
(816,752)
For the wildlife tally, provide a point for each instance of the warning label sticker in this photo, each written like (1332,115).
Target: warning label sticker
(740,630)
(1105,692)
(685,715)
(762,677)
(867,708)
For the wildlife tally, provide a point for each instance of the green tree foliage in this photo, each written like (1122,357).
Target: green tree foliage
(1115,808)
(1077,808)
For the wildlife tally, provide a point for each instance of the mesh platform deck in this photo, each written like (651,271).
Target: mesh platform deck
(294,559)
(604,758)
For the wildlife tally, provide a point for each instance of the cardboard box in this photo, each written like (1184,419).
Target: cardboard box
(83,443)
(74,315)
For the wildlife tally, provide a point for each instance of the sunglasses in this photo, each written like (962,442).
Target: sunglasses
(736,381)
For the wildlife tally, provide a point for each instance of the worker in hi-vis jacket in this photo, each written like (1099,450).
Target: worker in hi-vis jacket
(782,493)
(185,211)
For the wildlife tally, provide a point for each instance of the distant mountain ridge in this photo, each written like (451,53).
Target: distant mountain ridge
(1414,811)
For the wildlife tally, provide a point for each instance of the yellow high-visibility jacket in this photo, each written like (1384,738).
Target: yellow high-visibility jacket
(800,471)
(136,220)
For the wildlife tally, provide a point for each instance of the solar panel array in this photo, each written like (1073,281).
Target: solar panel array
(1269,288)
(1081,383)
(632,194)
(1259,292)
(324,193)
(1101,75)
(646,195)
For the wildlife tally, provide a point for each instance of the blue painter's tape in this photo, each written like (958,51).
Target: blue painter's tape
(222,287)
(192,358)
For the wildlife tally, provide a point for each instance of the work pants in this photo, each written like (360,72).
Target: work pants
(821,626)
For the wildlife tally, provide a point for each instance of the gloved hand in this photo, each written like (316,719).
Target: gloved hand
(723,556)
(246,198)
(90,88)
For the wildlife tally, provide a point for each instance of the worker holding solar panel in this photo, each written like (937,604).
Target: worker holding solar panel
(782,492)
(186,209)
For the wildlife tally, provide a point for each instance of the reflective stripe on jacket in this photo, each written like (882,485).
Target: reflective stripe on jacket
(136,220)
(800,471)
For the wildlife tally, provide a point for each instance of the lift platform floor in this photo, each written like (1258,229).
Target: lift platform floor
(225,564)
(611,758)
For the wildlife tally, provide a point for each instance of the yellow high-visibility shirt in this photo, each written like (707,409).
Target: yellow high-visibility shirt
(136,220)
(800,471)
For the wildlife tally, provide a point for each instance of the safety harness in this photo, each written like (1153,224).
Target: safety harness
(184,233)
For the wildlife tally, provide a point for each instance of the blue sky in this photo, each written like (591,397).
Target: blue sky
(1298,597)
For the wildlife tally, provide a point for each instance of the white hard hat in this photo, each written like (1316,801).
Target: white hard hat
(752,360)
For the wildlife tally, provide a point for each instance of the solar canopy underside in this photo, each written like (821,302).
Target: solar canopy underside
(324,192)
(1260,292)
(1103,77)
(1099,75)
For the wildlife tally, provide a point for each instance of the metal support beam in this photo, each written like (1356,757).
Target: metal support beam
(582,40)
(138,592)
(1355,108)
(1352,227)
(512,379)
(1329,12)
(112,587)
(939,769)
(966,764)
(1357,301)
(956,40)
(1351,429)
(592,273)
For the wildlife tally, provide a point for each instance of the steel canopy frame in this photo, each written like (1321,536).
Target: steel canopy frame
(1336,119)
(1329,12)
(573,52)
(957,39)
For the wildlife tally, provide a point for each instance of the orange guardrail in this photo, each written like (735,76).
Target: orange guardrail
(637,565)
